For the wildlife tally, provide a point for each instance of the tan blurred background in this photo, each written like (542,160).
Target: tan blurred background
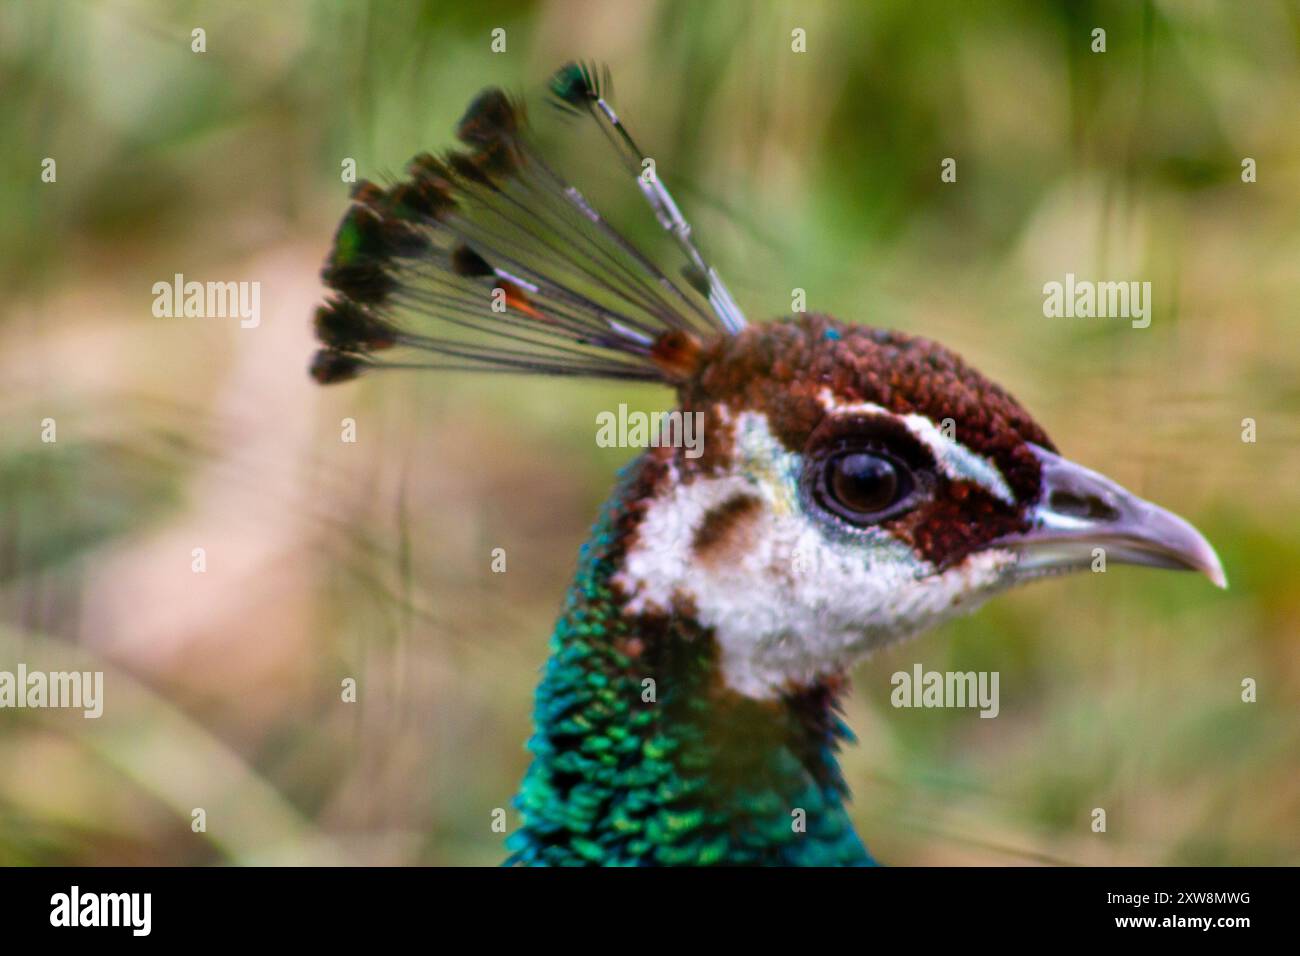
(328,560)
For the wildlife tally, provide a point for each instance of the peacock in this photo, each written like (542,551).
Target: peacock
(854,486)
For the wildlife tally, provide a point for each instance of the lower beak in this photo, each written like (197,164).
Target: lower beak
(1080,511)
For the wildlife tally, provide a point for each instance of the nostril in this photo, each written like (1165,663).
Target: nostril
(1082,506)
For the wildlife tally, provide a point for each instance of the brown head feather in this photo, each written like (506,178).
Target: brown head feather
(782,368)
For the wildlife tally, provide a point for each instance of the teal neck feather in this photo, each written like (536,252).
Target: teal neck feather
(697,776)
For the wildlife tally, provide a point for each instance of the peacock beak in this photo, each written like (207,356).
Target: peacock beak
(1080,511)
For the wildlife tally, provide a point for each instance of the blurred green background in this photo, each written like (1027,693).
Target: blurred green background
(819,170)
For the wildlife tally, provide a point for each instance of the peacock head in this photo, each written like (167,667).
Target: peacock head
(858,486)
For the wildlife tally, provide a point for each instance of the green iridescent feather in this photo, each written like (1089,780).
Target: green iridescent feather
(698,776)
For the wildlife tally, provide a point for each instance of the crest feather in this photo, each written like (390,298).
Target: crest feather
(484,258)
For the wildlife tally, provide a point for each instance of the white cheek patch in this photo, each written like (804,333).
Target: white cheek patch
(794,604)
(954,459)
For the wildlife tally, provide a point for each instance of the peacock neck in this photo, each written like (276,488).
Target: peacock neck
(642,757)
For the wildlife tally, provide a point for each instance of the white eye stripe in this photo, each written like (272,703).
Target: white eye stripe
(954,459)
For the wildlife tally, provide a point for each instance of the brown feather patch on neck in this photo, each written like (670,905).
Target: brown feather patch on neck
(721,534)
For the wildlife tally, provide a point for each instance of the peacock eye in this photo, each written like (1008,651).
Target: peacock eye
(863,486)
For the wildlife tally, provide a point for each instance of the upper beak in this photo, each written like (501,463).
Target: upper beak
(1079,511)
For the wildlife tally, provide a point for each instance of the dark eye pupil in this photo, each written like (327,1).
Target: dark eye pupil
(863,483)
